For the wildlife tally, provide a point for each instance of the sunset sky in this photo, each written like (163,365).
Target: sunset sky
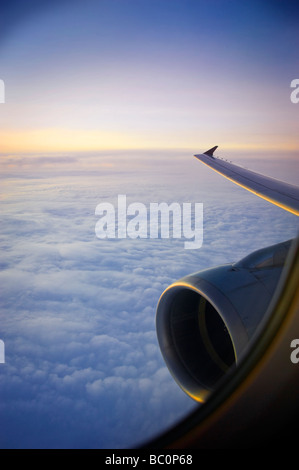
(113,74)
(113,97)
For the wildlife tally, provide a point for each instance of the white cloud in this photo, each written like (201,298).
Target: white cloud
(83,367)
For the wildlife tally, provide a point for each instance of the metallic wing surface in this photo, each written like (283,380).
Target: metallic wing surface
(277,192)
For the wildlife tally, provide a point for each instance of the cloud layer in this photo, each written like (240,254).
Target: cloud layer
(83,367)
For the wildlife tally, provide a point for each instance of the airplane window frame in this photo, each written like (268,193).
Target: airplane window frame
(203,428)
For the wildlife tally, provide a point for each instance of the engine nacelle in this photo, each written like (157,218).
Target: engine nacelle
(205,320)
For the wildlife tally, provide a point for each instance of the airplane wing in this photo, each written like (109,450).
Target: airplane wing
(277,192)
(228,329)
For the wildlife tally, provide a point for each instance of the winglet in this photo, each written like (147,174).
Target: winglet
(211,151)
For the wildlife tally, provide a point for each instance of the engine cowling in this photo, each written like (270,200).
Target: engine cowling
(204,321)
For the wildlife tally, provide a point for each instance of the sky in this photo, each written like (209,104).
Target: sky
(149,74)
(113,98)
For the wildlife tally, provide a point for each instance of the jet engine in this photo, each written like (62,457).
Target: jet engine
(205,320)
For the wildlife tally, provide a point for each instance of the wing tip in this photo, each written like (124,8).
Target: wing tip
(211,151)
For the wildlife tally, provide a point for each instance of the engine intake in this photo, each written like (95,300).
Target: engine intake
(204,321)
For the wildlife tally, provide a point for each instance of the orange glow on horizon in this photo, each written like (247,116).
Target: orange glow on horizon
(66,140)
(63,140)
